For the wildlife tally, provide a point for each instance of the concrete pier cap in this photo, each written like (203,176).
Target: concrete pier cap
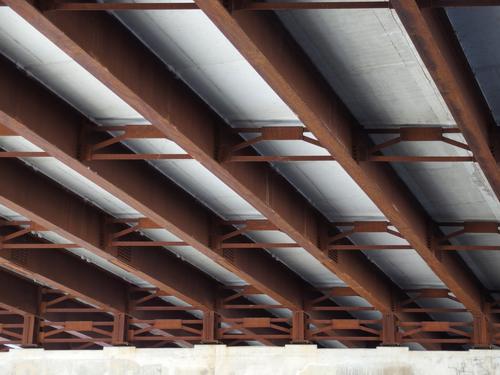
(220,359)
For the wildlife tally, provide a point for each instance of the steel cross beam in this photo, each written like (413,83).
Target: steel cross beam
(413,134)
(20,235)
(365,152)
(105,149)
(435,40)
(437,242)
(97,150)
(294,78)
(232,153)
(471,227)
(261,6)
(127,67)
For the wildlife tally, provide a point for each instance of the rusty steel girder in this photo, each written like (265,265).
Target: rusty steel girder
(436,42)
(65,322)
(143,188)
(193,121)
(62,141)
(365,285)
(180,281)
(290,73)
(252,5)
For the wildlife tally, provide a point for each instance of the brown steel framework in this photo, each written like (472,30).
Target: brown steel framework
(104,147)
(66,313)
(166,205)
(55,319)
(435,40)
(258,5)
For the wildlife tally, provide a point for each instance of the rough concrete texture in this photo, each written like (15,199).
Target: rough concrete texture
(219,359)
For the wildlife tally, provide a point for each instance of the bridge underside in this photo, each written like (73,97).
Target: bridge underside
(249,173)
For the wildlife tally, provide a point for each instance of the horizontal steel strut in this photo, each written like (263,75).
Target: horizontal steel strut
(59,5)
